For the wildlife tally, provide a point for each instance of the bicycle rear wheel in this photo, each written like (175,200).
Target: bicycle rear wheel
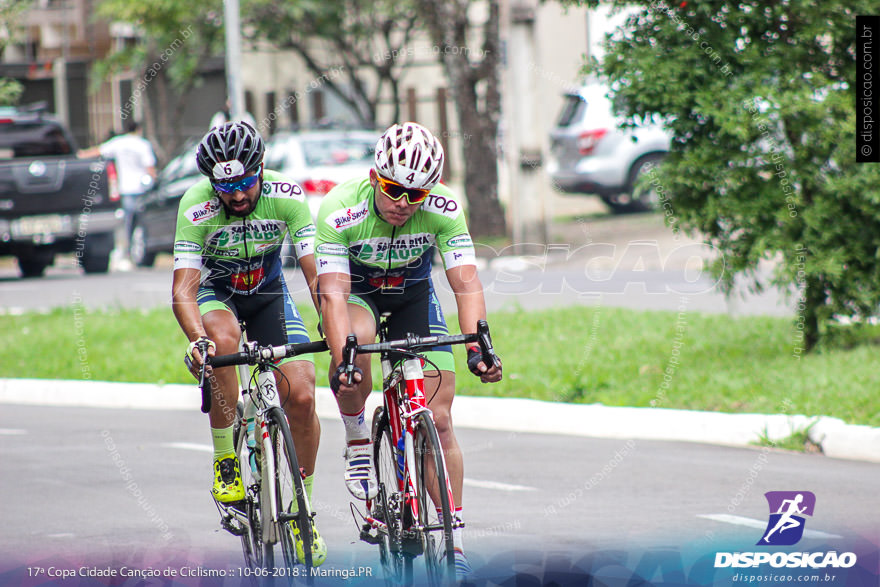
(388,504)
(251,543)
(290,492)
(431,480)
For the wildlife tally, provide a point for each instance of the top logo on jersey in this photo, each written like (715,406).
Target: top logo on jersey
(442,205)
(786,524)
(203,211)
(349,217)
(282,189)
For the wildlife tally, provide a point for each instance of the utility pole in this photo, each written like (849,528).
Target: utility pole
(528,207)
(234,88)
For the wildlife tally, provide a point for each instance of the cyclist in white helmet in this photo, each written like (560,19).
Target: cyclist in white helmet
(374,249)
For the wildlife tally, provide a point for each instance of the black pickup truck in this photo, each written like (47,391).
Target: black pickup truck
(50,201)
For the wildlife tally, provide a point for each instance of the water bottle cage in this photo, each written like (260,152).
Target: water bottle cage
(401,458)
(253,447)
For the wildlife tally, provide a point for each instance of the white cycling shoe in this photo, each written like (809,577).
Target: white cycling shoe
(359,475)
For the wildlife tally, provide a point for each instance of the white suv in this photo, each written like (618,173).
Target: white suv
(590,154)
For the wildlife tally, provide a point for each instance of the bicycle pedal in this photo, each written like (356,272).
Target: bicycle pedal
(368,537)
(235,530)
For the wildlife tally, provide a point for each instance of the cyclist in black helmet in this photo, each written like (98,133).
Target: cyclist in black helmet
(227,267)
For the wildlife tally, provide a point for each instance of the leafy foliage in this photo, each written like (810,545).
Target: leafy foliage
(176,38)
(10,29)
(10,91)
(758,96)
(368,43)
(165,25)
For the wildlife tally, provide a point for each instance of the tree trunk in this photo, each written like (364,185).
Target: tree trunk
(478,139)
(478,127)
(814,301)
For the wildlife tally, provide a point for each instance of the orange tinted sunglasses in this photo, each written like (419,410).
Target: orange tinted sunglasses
(395,191)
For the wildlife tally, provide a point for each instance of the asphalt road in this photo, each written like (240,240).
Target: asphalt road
(631,261)
(130,487)
(510,283)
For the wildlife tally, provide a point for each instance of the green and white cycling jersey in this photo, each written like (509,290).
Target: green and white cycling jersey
(239,255)
(352,238)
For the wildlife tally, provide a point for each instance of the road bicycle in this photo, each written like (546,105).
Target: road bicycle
(275,495)
(412,514)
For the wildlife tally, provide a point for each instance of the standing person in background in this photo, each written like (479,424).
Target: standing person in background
(221,117)
(135,164)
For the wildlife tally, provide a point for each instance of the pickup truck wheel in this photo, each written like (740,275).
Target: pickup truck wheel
(96,253)
(137,249)
(34,264)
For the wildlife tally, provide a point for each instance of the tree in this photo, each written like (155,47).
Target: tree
(474,79)
(758,96)
(10,12)
(177,37)
(358,39)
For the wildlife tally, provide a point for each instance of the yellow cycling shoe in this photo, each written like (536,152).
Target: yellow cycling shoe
(319,547)
(227,480)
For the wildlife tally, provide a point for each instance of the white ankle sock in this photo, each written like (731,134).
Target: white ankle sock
(355,426)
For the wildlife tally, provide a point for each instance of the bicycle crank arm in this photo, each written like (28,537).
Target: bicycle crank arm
(284,517)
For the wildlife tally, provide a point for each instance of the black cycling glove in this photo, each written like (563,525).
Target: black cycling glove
(475,356)
(340,370)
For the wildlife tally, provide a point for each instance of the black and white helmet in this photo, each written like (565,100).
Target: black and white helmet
(410,155)
(229,151)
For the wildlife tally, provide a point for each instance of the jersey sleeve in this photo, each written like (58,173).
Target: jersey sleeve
(197,206)
(453,239)
(331,243)
(291,207)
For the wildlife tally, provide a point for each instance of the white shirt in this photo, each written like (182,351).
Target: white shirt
(133,156)
(221,118)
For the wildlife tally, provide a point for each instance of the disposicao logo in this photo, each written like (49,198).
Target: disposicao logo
(787,511)
(785,527)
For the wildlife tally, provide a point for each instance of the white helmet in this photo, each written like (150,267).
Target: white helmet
(410,155)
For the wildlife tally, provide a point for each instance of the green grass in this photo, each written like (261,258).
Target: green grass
(605,355)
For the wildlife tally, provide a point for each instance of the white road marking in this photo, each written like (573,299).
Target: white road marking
(61,535)
(761,525)
(469,482)
(12,431)
(497,486)
(190,446)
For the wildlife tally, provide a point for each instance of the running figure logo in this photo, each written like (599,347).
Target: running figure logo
(786,524)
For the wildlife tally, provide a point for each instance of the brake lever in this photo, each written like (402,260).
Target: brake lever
(485,340)
(206,394)
(349,352)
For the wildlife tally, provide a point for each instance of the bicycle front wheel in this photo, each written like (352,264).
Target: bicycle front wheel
(435,509)
(388,504)
(294,510)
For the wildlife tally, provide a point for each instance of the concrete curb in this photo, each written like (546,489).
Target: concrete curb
(836,438)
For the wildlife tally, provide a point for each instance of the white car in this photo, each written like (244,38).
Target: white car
(591,154)
(319,160)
